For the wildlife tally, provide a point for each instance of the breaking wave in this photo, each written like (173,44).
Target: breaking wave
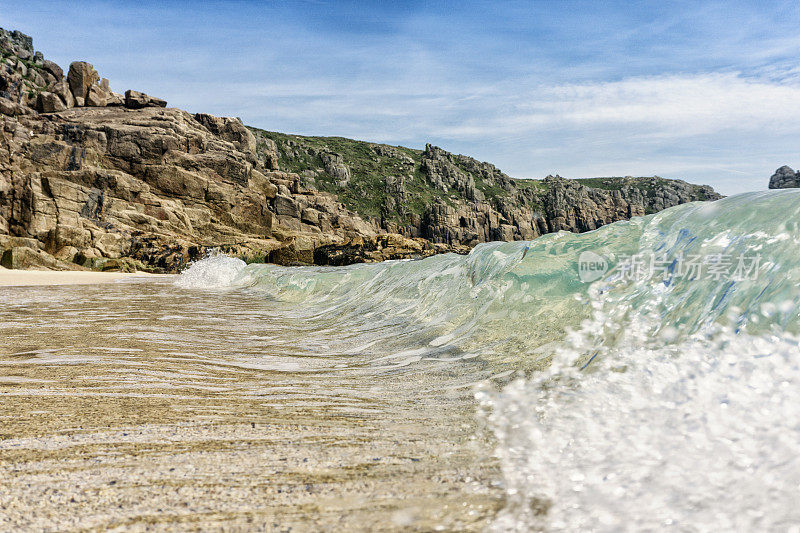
(217,271)
(662,394)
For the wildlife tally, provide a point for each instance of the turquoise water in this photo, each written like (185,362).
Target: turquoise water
(644,399)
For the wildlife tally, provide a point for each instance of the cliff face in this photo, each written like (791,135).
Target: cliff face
(123,182)
(457,200)
(90,178)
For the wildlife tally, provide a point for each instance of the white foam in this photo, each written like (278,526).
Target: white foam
(702,435)
(214,272)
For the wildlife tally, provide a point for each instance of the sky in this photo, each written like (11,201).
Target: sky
(704,91)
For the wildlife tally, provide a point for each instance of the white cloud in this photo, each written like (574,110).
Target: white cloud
(676,106)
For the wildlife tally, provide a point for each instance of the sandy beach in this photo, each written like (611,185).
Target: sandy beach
(146,406)
(26,278)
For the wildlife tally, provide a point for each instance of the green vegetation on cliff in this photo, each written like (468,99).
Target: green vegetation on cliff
(372,175)
(394,183)
(360,180)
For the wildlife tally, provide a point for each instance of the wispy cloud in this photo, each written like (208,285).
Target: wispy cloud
(668,107)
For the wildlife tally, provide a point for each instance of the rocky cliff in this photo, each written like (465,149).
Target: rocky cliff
(457,200)
(91,178)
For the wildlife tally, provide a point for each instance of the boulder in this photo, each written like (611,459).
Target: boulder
(52,68)
(63,91)
(137,100)
(21,257)
(49,103)
(784,178)
(260,182)
(310,216)
(284,205)
(48,78)
(67,254)
(36,78)
(334,165)
(299,250)
(115,100)
(96,96)
(119,265)
(68,236)
(230,129)
(110,244)
(81,77)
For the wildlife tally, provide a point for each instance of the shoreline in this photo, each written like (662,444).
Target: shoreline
(31,278)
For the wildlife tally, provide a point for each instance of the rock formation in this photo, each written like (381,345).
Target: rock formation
(784,178)
(458,201)
(89,178)
(93,179)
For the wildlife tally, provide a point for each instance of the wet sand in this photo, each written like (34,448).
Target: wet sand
(28,278)
(144,407)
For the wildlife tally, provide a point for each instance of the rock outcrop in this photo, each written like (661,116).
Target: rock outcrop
(137,100)
(92,179)
(30,81)
(784,178)
(458,201)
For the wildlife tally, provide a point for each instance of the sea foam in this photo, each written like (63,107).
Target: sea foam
(213,272)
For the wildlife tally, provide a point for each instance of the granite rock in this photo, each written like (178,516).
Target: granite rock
(784,178)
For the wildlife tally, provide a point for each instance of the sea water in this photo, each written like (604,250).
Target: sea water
(641,376)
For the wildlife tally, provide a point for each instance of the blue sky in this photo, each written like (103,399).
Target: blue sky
(704,91)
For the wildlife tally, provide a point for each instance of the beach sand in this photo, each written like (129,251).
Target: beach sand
(25,278)
(143,406)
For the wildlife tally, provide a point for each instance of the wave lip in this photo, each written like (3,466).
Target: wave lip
(508,301)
